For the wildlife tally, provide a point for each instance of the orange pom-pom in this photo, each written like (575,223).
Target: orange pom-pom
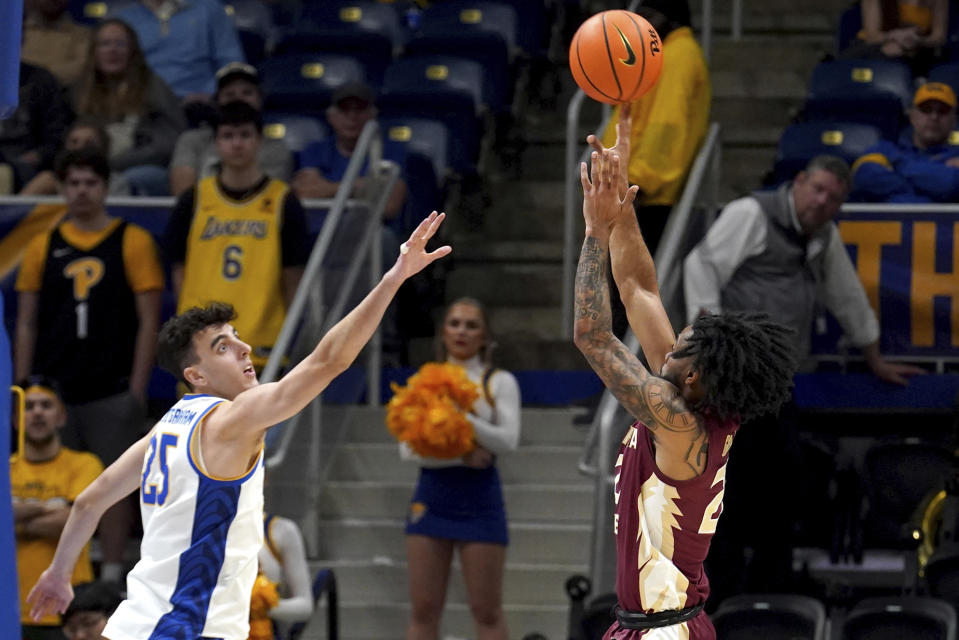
(429,413)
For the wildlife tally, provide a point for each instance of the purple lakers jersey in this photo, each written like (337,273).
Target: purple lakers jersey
(663,528)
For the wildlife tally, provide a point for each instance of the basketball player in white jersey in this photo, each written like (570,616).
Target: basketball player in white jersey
(200,470)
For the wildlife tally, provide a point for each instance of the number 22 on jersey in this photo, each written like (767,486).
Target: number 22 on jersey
(155,484)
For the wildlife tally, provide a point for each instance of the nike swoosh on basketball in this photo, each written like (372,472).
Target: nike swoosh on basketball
(631,56)
(63,251)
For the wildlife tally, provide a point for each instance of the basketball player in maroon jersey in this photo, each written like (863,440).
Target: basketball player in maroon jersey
(671,466)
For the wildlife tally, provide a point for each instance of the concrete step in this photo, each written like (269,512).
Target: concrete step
(766,19)
(744,167)
(388,621)
(486,249)
(798,53)
(759,84)
(747,135)
(530,209)
(376,462)
(529,542)
(768,112)
(531,502)
(539,426)
(507,284)
(380,581)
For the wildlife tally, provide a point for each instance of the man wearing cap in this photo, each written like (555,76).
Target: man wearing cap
(45,478)
(195,156)
(923,166)
(324,163)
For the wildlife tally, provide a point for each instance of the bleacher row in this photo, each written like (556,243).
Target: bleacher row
(455,65)
(850,106)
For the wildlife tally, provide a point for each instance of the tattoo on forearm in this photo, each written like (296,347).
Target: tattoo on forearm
(650,399)
(592,291)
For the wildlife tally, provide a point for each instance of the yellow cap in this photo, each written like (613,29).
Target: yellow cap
(934,91)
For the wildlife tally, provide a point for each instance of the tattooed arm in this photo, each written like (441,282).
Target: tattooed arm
(633,268)
(678,433)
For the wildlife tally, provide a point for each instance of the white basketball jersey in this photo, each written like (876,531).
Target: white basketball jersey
(201,536)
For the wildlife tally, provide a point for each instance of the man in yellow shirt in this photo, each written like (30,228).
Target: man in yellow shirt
(239,236)
(669,122)
(45,478)
(88,310)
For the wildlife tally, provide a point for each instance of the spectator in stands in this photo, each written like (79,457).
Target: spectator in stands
(185,42)
(921,167)
(45,479)
(669,122)
(139,112)
(92,605)
(773,252)
(283,563)
(52,40)
(912,31)
(247,245)
(30,137)
(87,314)
(83,133)
(195,155)
(324,163)
(458,504)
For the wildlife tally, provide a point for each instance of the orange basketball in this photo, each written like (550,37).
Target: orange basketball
(616,56)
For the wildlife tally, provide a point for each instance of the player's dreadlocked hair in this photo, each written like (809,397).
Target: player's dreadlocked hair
(175,343)
(745,363)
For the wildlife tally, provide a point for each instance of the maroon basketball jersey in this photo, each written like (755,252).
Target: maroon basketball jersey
(663,528)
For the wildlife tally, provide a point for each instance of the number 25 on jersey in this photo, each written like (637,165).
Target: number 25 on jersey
(155,484)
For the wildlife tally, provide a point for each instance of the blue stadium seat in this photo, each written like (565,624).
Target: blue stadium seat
(770,616)
(254,25)
(443,88)
(895,618)
(295,130)
(947,74)
(533,26)
(419,147)
(875,92)
(427,138)
(850,24)
(366,30)
(90,12)
(801,142)
(481,31)
(305,82)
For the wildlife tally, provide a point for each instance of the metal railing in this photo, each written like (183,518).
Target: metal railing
(309,316)
(687,222)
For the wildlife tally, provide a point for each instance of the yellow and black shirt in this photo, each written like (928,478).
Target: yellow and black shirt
(234,247)
(86,315)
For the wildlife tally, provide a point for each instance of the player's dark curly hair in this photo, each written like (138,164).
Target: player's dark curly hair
(175,350)
(745,363)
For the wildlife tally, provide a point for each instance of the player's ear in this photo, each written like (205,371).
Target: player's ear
(193,376)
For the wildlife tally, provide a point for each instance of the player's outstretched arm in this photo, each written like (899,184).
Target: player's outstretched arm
(260,407)
(633,268)
(53,592)
(652,400)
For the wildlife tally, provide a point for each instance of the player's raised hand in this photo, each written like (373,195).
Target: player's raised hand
(51,594)
(623,128)
(413,254)
(602,204)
